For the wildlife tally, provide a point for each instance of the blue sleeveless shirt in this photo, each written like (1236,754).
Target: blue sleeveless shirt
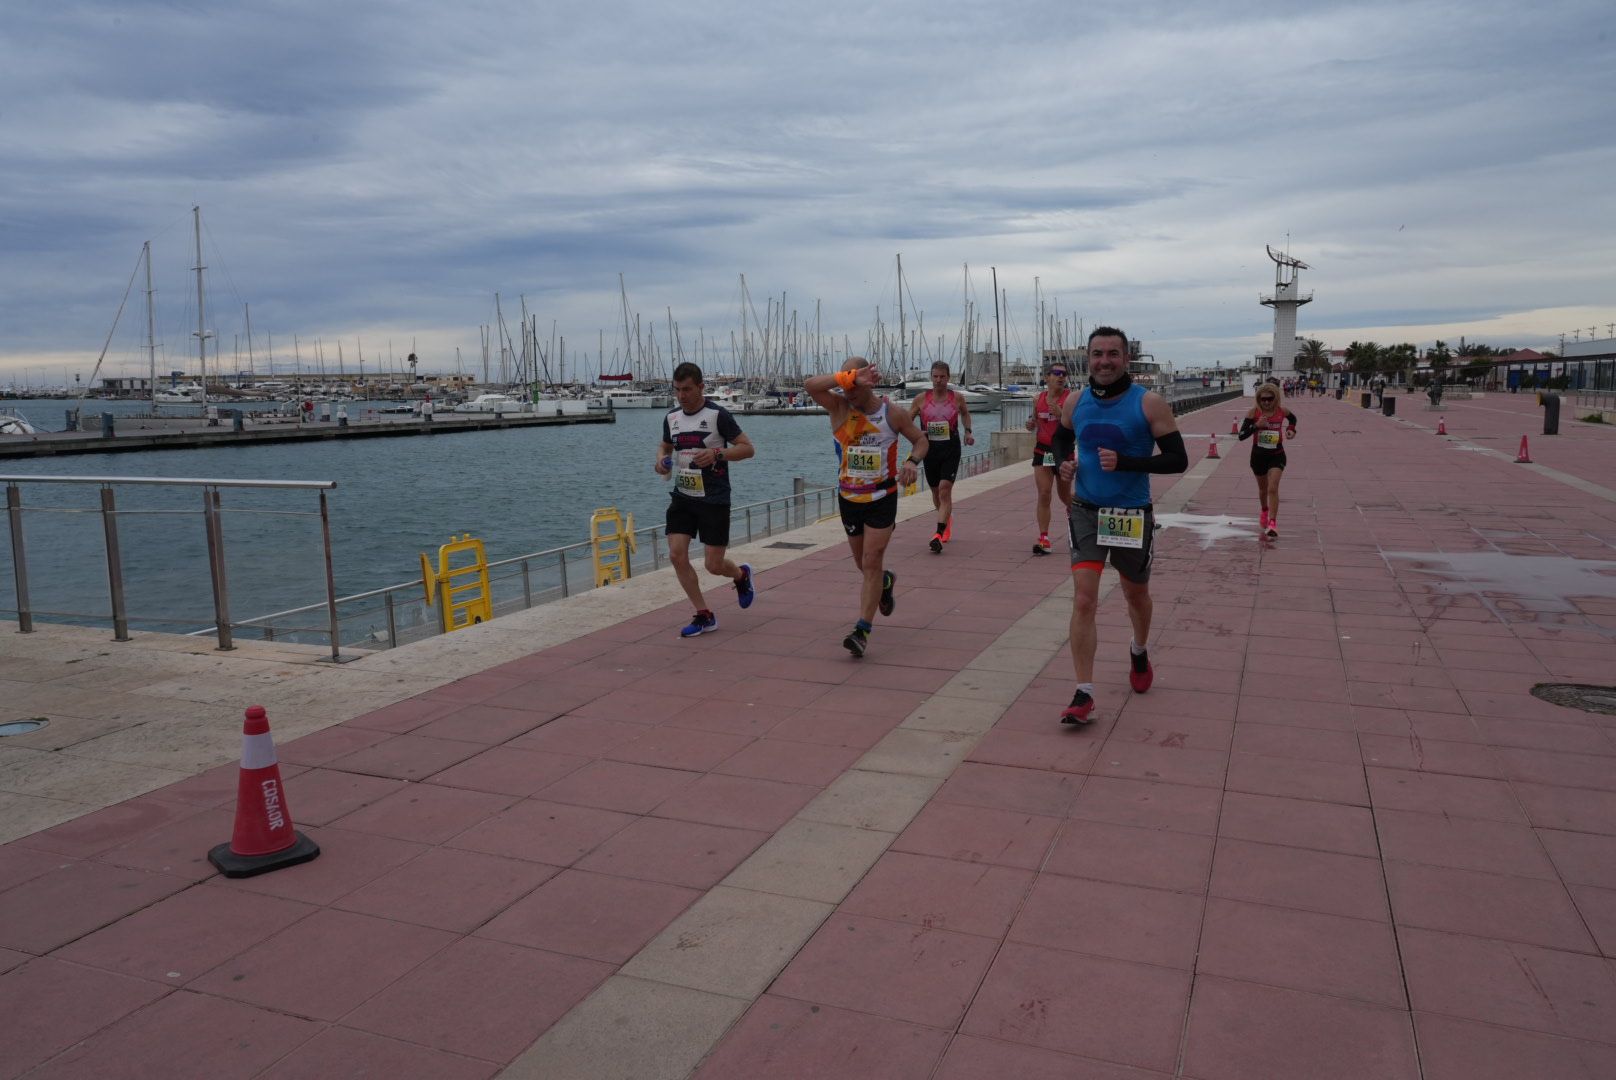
(1118,425)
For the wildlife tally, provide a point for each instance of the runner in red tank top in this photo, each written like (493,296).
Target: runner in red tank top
(1046,414)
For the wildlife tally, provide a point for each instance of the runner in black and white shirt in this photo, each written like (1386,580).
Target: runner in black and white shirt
(699,440)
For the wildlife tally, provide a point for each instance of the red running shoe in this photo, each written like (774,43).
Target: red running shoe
(1140,673)
(1080,711)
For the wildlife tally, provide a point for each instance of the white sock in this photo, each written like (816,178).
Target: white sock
(1135,648)
(1087,688)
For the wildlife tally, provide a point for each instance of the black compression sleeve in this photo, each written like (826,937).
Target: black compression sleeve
(1248,426)
(1064,443)
(1172,459)
(1290,419)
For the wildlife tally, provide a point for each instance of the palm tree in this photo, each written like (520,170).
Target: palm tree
(1314,356)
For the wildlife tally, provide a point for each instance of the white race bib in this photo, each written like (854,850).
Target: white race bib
(1049,459)
(938,431)
(863,461)
(1121,527)
(1268,440)
(687,479)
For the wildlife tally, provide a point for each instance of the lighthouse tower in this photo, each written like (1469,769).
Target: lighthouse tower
(1286,298)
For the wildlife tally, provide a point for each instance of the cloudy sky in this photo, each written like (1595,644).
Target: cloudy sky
(375,172)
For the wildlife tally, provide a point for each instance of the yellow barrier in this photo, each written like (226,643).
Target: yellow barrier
(457,610)
(611,537)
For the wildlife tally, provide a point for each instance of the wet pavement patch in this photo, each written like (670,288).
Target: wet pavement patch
(1209,527)
(22,727)
(1499,576)
(1599,699)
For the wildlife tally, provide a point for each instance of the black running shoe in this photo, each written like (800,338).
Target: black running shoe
(937,543)
(856,642)
(887,582)
(1080,711)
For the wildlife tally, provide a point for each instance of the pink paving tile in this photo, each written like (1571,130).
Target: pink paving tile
(971,1058)
(1486,905)
(1130,855)
(871,701)
(733,717)
(679,748)
(1171,765)
(485,999)
(1324,781)
(791,762)
(404,716)
(19,864)
(1455,796)
(1199,704)
(10,958)
(1349,830)
(1388,696)
(1148,804)
(1239,1030)
(1429,755)
(739,801)
(1309,744)
(1541,735)
(1462,843)
(579,735)
(1502,982)
(1177,732)
(185,1035)
(475,688)
(407,757)
(347,861)
(66,903)
(597,916)
(978,834)
(942,894)
(106,828)
(1576,809)
(1459,1050)
(789,1039)
(674,852)
(1317,715)
(890,969)
(1107,1009)
(319,796)
(617,785)
(892,677)
(1518,707)
(485,724)
(179,938)
(1582,858)
(448,889)
(1100,918)
(1001,787)
(425,813)
(1297,878)
(1598,910)
(333,742)
(765,690)
(344,1052)
(1065,751)
(1301,950)
(638,706)
(545,832)
(1565,770)
(325,965)
(834,728)
(506,770)
(49,1006)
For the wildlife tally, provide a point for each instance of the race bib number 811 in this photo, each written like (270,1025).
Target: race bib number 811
(1121,528)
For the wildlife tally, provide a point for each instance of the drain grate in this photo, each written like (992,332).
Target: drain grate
(22,727)
(789,545)
(1599,699)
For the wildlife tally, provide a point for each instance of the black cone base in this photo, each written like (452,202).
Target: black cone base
(232,865)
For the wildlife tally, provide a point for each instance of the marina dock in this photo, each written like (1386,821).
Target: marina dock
(129,434)
(1347,832)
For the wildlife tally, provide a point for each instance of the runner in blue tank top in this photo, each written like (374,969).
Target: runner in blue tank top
(1113,426)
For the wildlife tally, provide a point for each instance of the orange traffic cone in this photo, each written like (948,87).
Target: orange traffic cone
(1234,427)
(1523,456)
(1441,425)
(1212,450)
(263,839)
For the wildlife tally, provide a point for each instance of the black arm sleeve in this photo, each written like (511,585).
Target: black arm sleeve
(1064,443)
(1248,427)
(1172,459)
(1290,419)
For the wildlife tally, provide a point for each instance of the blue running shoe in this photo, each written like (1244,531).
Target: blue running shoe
(743,586)
(705,622)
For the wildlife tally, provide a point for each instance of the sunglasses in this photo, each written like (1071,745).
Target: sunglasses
(1058,372)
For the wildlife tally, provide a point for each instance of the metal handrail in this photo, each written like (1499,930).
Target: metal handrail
(212,514)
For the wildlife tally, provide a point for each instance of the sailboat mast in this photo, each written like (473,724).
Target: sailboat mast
(998,328)
(201,319)
(247,313)
(151,332)
(903,337)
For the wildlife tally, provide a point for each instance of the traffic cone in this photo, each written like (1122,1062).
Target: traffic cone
(263,839)
(1523,456)
(1441,425)
(1212,450)
(1234,427)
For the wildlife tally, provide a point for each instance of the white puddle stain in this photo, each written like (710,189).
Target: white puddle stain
(1210,528)
(1497,575)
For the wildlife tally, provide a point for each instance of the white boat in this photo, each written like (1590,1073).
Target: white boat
(491,403)
(624,397)
(184,394)
(974,396)
(15,424)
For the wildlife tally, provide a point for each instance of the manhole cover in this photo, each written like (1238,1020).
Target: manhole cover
(792,545)
(1599,699)
(22,727)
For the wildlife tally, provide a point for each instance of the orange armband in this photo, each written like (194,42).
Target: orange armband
(846,379)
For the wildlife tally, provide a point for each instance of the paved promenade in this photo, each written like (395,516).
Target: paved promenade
(1337,838)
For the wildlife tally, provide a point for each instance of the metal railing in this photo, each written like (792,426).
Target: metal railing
(212,512)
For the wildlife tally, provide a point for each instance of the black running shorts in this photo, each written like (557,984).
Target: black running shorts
(942,462)
(858,516)
(707,521)
(1263,460)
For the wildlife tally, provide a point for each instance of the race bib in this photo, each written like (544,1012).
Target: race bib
(1049,459)
(938,431)
(688,480)
(1268,440)
(863,461)
(1121,528)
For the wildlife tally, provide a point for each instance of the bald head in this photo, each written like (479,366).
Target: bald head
(853,363)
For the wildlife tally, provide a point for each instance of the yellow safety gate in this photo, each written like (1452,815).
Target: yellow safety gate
(459,605)
(611,537)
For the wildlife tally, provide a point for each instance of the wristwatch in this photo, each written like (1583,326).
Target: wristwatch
(718,456)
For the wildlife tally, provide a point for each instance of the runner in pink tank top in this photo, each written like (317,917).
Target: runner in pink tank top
(942,413)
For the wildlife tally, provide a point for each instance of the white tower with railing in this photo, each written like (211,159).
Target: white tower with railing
(1286,298)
